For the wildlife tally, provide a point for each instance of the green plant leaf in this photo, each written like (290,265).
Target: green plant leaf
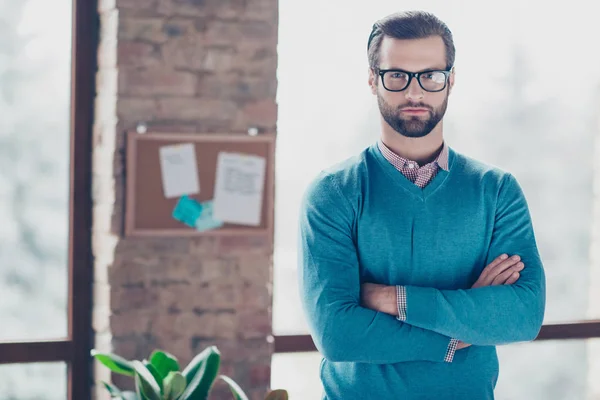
(194,366)
(114,362)
(112,390)
(157,376)
(138,388)
(145,382)
(278,394)
(236,390)
(164,362)
(129,396)
(115,393)
(201,373)
(174,385)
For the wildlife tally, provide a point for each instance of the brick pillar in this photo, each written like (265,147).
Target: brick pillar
(182,66)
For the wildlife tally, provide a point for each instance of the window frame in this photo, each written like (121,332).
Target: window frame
(564,331)
(75,349)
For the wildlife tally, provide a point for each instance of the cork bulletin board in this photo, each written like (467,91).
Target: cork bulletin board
(149,213)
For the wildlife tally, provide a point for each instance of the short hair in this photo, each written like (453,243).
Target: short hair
(409,25)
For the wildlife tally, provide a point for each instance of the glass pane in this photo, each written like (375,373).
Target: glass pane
(506,109)
(35,61)
(46,381)
(549,370)
(298,373)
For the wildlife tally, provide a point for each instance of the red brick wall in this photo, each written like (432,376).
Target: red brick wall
(185,66)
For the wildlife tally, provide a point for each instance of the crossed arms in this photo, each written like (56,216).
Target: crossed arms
(345,330)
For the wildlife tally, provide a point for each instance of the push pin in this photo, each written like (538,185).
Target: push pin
(141,127)
(253,131)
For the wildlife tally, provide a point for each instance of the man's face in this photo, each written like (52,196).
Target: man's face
(412,112)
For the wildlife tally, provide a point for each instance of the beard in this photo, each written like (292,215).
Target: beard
(413,126)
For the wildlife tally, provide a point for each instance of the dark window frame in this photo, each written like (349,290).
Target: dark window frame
(572,330)
(75,349)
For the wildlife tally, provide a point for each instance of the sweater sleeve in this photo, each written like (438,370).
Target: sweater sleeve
(329,283)
(401,310)
(491,315)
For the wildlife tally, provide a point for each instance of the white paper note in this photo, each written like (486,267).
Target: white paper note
(179,170)
(239,186)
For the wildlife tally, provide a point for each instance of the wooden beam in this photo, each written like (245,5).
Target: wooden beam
(576,330)
(85,28)
(32,352)
(573,330)
(294,344)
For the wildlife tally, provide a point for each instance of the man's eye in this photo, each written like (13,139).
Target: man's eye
(434,76)
(398,75)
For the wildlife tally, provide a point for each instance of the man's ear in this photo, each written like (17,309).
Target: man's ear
(373,81)
(451,80)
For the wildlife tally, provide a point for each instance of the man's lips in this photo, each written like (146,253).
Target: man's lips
(416,111)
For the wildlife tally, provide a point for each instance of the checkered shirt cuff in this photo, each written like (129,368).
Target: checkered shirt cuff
(451,350)
(401,300)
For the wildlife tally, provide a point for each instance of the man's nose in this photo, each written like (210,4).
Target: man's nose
(414,91)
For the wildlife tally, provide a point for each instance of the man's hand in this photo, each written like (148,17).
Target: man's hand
(462,345)
(503,270)
(379,298)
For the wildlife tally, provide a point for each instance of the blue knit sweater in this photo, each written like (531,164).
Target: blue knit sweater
(364,221)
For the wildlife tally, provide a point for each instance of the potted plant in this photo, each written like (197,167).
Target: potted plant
(160,377)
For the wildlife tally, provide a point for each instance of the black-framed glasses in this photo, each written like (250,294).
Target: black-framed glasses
(397,80)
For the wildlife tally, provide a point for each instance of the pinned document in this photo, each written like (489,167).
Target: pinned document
(239,186)
(179,170)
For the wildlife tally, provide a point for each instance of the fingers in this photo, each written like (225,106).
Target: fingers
(512,278)
(484,278)
(497,267)
(497,261)
(504,265)
(503,277)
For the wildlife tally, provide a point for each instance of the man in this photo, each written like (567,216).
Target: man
(416,260)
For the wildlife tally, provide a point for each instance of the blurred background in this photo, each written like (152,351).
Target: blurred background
(527,99)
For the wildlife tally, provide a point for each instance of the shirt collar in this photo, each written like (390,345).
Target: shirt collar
(441,160)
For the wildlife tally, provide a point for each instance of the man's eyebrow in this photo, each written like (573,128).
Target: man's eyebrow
(422,70)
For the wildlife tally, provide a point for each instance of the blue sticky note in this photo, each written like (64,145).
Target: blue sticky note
(206,220)
(195,214)
(207,208)
(205,224)
(187,211)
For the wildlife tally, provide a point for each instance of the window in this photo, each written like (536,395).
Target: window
(33,381)
(47,70)
(523,101)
